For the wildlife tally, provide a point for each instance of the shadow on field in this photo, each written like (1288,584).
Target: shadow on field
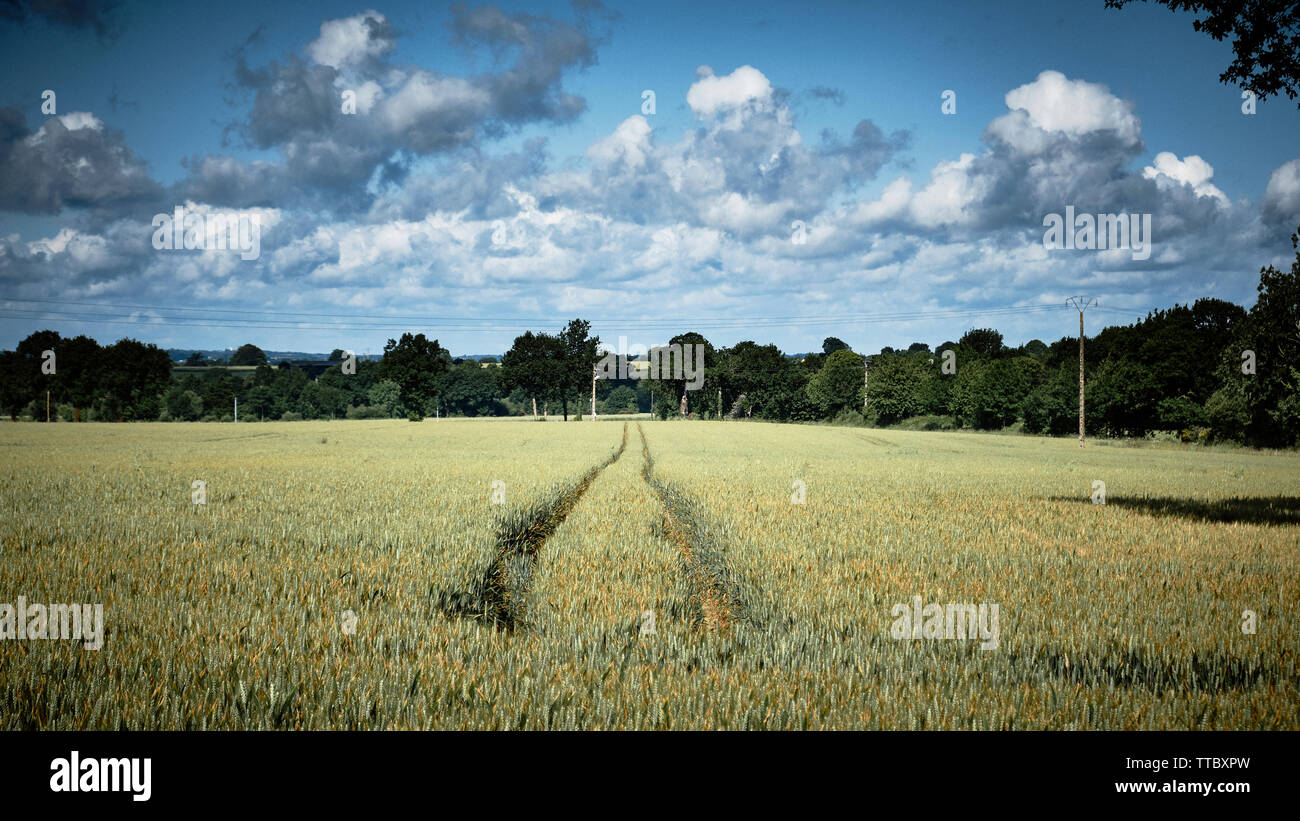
(1261,510)
(1201,673)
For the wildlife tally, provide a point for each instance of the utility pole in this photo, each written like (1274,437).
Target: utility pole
(865,368)
(595,374)
(47,406)
(719,404)
(237,409)
(1081,303)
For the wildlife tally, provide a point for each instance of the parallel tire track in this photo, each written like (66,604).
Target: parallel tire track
(716,598)
(500,594)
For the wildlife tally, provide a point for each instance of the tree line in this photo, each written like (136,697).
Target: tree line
(1208,370)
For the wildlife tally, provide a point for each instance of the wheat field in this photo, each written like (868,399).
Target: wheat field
(464,574)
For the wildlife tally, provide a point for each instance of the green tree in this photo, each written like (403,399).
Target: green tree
(262,403)
(669,388)
(1179,413)
(416,364)
(132,378)
(1228,414)
(533,365)
(1273,333)
(15,384)
(758,380)
(218,392)
(1053,406)
(30,351)
(264,376)
(621,400)
(838,385)
(79,367)
(1125,395)
(898,387)
(387,395)
(248,355)
(1001,388)
(983,341)
(471,391)
(580,351)
(320,401)
(184,405)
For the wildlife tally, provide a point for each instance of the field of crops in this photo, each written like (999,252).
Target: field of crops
(463,574)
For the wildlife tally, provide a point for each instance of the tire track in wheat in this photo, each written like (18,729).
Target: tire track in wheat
(716,595)
(500,594)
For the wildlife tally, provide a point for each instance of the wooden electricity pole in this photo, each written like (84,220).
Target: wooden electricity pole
(865,369)
(719,404)
(1082,304)
(595,374)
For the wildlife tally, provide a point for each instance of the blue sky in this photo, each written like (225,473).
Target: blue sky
(504,177)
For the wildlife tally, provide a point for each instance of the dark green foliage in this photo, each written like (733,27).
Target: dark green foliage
(416,364)
(248,355)
(838,385)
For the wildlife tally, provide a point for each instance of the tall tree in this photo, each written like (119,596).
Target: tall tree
(534,364)
(831,344)
(983,341)
(580,352)
(133,376)
(416,364)
(248,355)
(79,369)
(15,384)
(838,385)
(899,388)
(672,382)
(1273,391)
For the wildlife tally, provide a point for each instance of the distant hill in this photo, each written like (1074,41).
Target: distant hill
(181,354)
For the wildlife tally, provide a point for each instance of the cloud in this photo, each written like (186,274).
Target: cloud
(1281,204)
(1062,142)
(72,160)
(1193,171)
(1074,107)
(711,94)
(834,95)
(406,112)
(353,40)
(226,180)
(748,169)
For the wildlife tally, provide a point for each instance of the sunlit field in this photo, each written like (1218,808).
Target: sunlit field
(503,574)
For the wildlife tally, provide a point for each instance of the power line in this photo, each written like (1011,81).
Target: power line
(358,322)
